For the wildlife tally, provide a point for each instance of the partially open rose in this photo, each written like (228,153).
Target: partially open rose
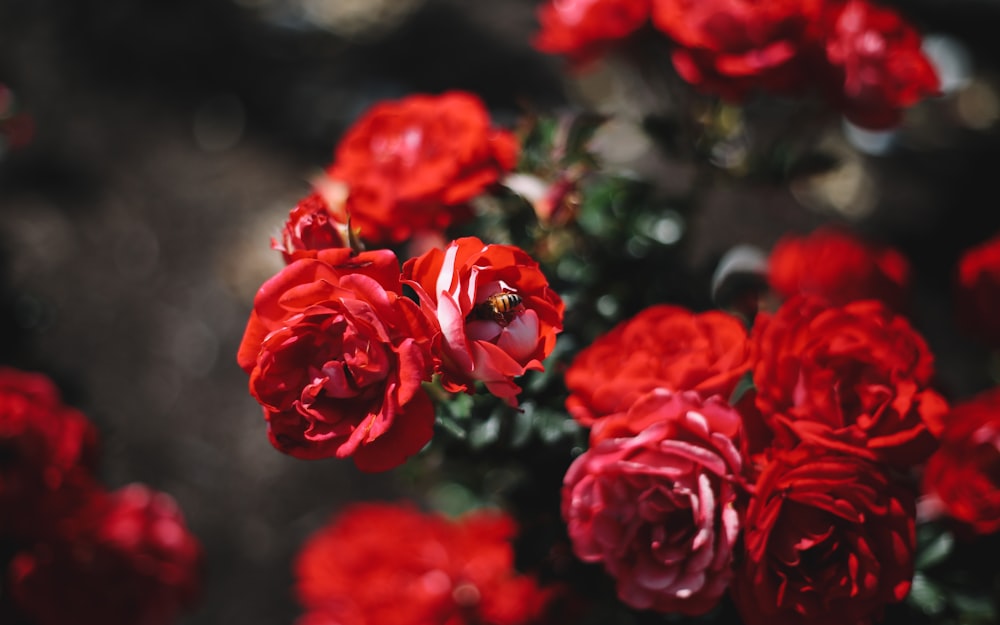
(336,357)
(496,315)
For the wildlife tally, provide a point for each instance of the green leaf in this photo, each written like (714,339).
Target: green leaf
(975,608)
(485,433)
(460,406)
(935,551)
(523,425)
(744,386)
(927,596)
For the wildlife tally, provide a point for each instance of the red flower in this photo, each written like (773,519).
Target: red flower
(978,291)
(336,357)
(392,565)
(496,315)
(47,454)
(840,267)
(127,558)
(964,473)
(312,225)
(658,508)
(731,47)
(584,29)
(414,164)
(853,377)
(828,539)
(878,66)
(661,347)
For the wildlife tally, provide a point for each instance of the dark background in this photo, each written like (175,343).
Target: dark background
(171,139)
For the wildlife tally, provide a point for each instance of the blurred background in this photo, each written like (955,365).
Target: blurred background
(153,147)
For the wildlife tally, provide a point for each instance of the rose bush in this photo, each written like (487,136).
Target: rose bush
(828,539)
(393,565)
(977,291)
(964,473)
(413,164)
(48,452)
(473,342)
(336,357)
(126,558)
(658,508)
(840,267)
(854,377)
(663,346)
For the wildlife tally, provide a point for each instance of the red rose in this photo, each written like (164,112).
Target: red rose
(47,454)
(413,164)
(658,508)
(853,377)
(663,346)
(839,267)
(828,539)
(496,315)
(392,565)
(311,226)
(584,29)
(964,473)
(978,291)
(336,357)
(127,558)
(878,67)
(732,47)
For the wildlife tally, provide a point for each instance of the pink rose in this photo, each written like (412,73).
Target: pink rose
(659,508)
(496,315)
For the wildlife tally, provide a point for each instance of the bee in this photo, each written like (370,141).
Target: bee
(499,307)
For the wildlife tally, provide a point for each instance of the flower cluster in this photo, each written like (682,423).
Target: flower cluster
(82,554)
(864,58)
(337,354)
(785,490)
(394,565)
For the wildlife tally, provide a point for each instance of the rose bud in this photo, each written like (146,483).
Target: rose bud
(658,509)
(336,356)
(495,314)
(312,225)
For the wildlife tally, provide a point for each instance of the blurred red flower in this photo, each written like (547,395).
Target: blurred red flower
(854,377)
(828,539)
(413,164)
(663,346)
(878,67)
(336,357)
(47,455)
(495,313)
(977,291)
(658,509)
(127,558)
(964,473)
(731,47)
(585,29)
(393,565)
(312,225)
(840,267)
